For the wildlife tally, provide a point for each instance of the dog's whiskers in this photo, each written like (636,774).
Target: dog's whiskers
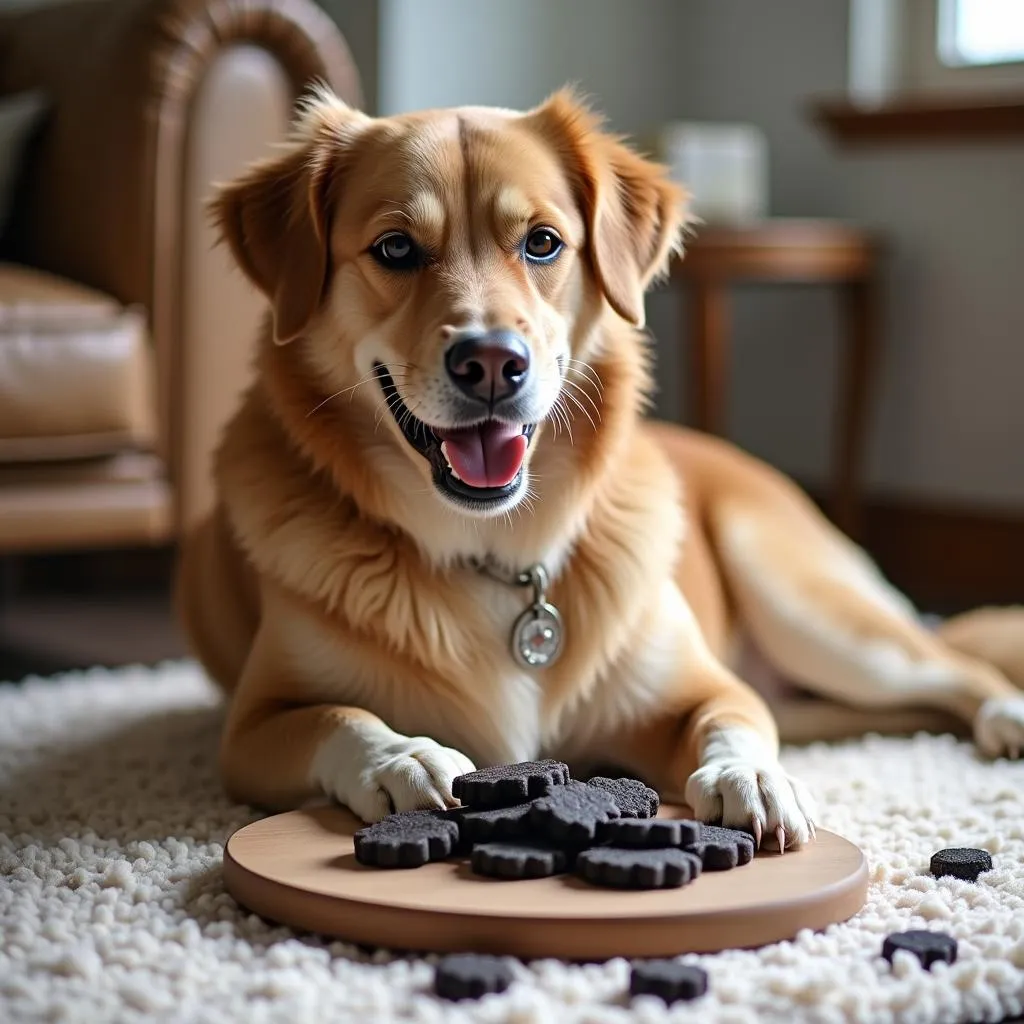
(390,402)
(562,419)
(367,378)
(585,370)
(587,396)
(388,406)
(579,405)
(529,501)
(410,414)
(344,391)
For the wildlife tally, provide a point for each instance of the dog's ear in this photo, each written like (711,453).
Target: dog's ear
(276,217)
(635,213)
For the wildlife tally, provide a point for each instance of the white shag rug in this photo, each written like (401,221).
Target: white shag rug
(112,826)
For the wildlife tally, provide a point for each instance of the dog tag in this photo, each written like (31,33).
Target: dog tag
(537,633)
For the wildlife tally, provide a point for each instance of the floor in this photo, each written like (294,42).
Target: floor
(59,617)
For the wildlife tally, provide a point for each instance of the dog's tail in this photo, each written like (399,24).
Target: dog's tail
(993,635)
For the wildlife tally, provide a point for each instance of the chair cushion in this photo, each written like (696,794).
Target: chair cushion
(76,373)
(123,499)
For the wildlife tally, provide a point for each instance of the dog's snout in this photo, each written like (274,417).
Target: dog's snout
(489,367)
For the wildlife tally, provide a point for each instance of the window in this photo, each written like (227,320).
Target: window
(980,32)
(900,47)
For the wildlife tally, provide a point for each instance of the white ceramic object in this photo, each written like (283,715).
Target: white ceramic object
(724,166)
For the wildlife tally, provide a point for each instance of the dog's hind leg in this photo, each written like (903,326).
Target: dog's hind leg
(823,614)
(994,635)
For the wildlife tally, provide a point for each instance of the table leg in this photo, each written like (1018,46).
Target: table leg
(709,356)
(857,368)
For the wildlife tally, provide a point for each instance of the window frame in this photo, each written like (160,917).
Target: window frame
(899,93)
(894,52)
(946,45)
(925,67)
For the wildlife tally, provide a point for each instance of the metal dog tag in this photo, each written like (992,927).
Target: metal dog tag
(538,633)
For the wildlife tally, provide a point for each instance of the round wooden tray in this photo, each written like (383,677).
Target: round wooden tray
(299,869)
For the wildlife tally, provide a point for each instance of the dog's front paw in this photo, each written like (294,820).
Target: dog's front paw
(377,774)
(999,727)
(748,789)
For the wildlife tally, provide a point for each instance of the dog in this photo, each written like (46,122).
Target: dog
(447,533)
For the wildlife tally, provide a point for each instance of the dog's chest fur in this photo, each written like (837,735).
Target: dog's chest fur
(481,701)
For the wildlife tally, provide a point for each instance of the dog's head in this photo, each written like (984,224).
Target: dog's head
(452,266)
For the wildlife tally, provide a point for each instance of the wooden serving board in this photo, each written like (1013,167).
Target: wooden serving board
(299,869)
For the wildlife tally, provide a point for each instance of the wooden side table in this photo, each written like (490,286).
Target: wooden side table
(788,252)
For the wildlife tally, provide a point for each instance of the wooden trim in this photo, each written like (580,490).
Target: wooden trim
(916,119)
(96,572)
(947,558)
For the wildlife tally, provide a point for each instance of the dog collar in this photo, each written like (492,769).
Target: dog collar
(538,634)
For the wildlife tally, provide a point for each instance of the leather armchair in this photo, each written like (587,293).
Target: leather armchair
(125,334)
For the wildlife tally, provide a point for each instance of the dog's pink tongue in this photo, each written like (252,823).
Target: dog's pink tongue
(489,455)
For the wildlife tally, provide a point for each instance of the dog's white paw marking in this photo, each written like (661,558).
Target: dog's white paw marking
(741,784)
(999,727)
(375,771)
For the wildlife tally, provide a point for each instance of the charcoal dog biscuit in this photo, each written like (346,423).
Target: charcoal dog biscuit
(570,815)
(638,869)
(720,849)
(633,798)
(518,860)
(407,840)
(961,862)
(650,833)
(668,979)
(508,784)
(929,947)
(471,976)
(497,823)
(455,814)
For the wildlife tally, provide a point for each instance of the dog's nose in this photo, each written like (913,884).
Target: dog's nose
(489,367)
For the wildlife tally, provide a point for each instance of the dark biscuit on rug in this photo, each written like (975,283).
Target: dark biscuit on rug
(518,860)
(638,869)
(508,784)
(409,839)
(634,799)
(648,833)
(471,976)
(570,815)
(929,947)
(497,823)
(720,849)
(668,979)
(961,862)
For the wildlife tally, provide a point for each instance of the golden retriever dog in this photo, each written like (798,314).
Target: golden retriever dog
(446,534)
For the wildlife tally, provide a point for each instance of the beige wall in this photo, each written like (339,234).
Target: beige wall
(949,423)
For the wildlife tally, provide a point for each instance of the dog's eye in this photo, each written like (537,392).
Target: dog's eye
(542,245)
(396,251)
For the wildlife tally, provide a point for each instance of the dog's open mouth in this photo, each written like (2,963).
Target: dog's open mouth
(482,463)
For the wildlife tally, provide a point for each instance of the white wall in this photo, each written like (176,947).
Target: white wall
(949,425)
(515,52)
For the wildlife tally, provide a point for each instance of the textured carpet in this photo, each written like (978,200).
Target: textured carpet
(112,827)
